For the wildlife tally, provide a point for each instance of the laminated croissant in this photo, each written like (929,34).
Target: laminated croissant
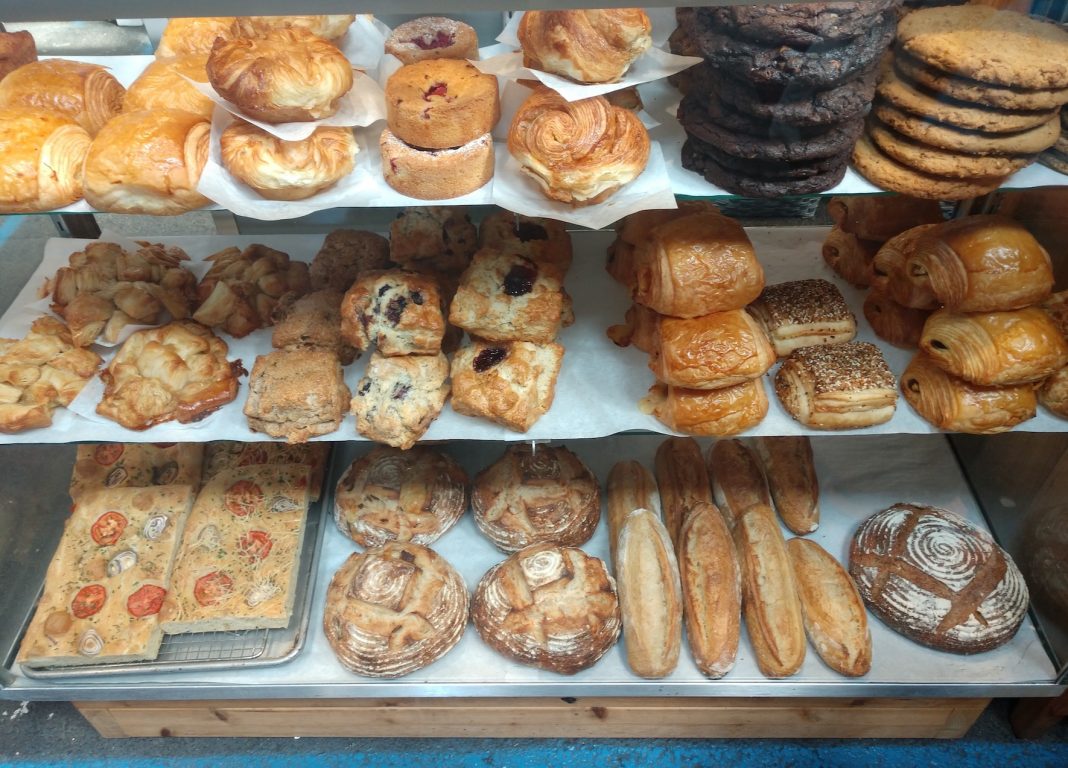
(714,412)
(86,93)
(956,405)
(901,326)
(850,257)
(1054,393)
(331,27)
(33,140)
(590,46)
(881,217)
(163,84)
(888,271)
(710,352)
(192,36)
(981,264)
(995,348)
(577,152)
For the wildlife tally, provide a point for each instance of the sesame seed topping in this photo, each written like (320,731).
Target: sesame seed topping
(851,367)
(803,302)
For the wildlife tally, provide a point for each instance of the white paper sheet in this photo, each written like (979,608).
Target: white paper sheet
(365,42)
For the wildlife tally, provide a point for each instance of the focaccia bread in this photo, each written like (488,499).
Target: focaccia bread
(135,465)
(222,455)
(108,579)
(238,561)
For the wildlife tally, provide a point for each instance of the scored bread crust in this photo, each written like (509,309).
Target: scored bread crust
(682,479)
(630,486)
(737,479)
(791,475)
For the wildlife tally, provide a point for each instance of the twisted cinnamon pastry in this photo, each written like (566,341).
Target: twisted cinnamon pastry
(594,46)
(578,152)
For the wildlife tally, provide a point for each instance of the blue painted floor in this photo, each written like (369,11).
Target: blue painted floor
(48,734)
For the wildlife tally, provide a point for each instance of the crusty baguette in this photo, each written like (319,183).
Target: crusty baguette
(772,610)
(682,479)
(833,610)
(791,476)
(630,486)
(711,589)
(737,480)
(650,595)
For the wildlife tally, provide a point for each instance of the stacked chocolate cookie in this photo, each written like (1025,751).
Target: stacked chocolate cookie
(780,99)
(971,96)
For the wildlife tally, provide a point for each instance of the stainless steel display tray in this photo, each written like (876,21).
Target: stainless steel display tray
(199,651)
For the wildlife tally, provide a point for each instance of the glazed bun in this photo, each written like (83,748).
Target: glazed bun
(163,84)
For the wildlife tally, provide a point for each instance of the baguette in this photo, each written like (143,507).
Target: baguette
(650,595)
(791,476)
(683,481)
(711,589)
(630,486)
(772,610)
(834,615)
(737,480)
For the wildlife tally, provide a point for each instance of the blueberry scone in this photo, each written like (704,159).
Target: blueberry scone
(544,241)
(398,311)
(399,397)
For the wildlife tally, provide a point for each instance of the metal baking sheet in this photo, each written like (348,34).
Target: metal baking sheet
(858,477)
(197,651)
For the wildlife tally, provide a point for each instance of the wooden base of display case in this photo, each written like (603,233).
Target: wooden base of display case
(1033,717)
(674,718)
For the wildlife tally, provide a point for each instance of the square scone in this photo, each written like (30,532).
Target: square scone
(296,394)
(398,397)
(314,322)
(398,311)
(512,384)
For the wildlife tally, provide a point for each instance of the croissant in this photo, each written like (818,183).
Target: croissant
(850,257)
(981,264)
(42,155)
(163,84)
(1057,307)
(716,412)
(888,271)
(327,27)
(710,352)
(285,75)
(86,93)
(881,217)
(591,46)
(577,152)
(16,49)
(956,405)
(901,326)
(183,37)
(1054,393)
(995,348)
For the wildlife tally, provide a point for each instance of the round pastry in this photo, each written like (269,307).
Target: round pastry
(956,405)
(286,75)
(43,153)
(86,93)
(182,37)
(163,84)
(16,49)
(148,162)
(577,152)
(935,578)
(287,170)
(888,271)
(394,609)
(330,28)
(536,493)
(943,162)
(590,46)
(436,174)
(548,606)
(393,495)
(432,37)
(441,103)
(948,137)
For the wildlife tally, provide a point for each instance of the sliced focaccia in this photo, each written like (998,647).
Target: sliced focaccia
(238,560)
(108,578)
(221,455)
(135,465)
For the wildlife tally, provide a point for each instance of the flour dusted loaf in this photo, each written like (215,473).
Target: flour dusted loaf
(737,479)
(135,465)
(397,311)
(238,560)
(548,606)
(108,579)
(791,474)
(937,579)
(392,495)
(682,479)
(394,609)
(630,486)
(533,494)
(399,397)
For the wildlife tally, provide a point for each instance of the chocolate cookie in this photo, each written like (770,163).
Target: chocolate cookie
(941,162)
(1031,141)
(885,172)
(799,24)
(708,104)
(821,65)
(739,184)
(769,170)
(796,105)
(980,93)
(912,97)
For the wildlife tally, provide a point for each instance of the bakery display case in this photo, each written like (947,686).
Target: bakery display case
(1008,485)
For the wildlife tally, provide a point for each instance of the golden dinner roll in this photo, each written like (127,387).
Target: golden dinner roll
(285,75)
(148,162)
(195,35)
(327,27)
(42,155)
(86,93)
(287,170)
(163,84)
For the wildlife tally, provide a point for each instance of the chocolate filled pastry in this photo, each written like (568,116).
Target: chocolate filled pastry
(803,313)
(86,93)
(995,348)
(286,75)
(577,152)
(588,46)
(981,264)
(716,412)
(901,326)
(737,479)
(630,487)
(43,155)
(394,609)
(1053,394)
(535,494)
(331,27)
(695,265)
(889,276)
(710,352)
(937,579)
(163,84)
(791,474)
(640,328)
(432,37)
(633,230)
(956,405)
(548,606)
(682,479)
(841,386)
(881,217)
(850,257)
(393,495)
(192,36)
